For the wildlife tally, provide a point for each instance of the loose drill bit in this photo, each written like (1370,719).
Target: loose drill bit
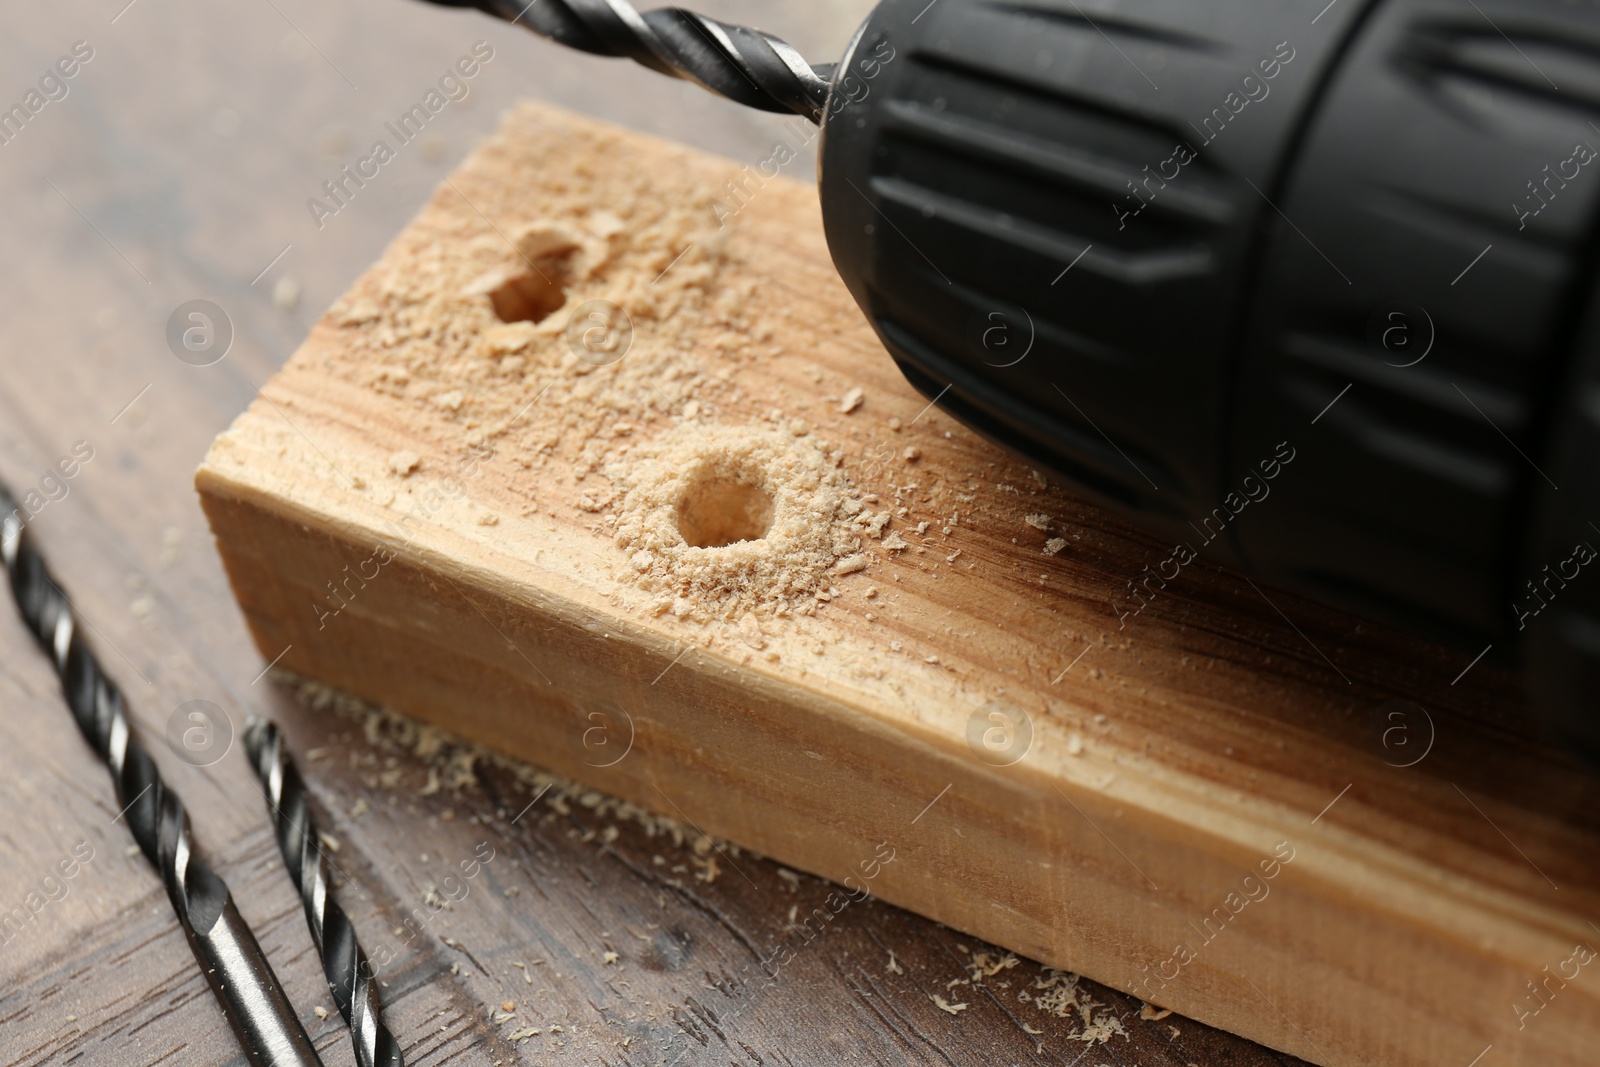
(745,65)
(234,965)
(349,974)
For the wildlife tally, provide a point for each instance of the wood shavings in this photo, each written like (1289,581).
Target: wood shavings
(851,401)
(987,965)
(944,1005)
(1038,522)
(1150,1013)
(1054,545)
(404,462)
(1057,993)
(454,761)
(707,871)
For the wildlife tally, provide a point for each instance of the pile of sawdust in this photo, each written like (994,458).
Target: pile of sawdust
(779,499)
(1058,993)
(452,763)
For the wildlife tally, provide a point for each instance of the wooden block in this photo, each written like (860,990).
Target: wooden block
(925,681)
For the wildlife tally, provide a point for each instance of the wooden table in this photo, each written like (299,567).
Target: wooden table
(178,167)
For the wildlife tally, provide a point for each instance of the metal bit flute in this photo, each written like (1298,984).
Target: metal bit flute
(349,975)
(745,65)
(232,960)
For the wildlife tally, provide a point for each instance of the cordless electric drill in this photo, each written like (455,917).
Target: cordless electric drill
(1306,286)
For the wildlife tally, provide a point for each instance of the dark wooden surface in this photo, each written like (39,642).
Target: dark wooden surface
(177,167)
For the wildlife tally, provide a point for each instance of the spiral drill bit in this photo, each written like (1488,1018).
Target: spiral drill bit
(744,65)
(232,960)
(349,974)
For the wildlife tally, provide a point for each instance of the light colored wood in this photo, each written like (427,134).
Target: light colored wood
(1172,758)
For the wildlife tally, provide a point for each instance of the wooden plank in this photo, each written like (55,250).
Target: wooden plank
(452,515)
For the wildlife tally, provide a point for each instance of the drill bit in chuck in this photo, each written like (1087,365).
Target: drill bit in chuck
(742,64)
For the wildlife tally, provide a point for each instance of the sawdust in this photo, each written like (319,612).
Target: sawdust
(987,965)
(600,347)
(453,762)
(719,522)
(404,462)
(1057,993)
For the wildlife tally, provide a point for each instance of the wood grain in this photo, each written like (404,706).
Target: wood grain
(1214,791)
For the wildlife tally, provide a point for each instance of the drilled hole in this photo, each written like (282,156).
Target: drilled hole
(723,507)
(541,290)
(527,298)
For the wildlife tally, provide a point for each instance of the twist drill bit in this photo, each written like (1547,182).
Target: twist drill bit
(232,960)
(742,64)
(349,974)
